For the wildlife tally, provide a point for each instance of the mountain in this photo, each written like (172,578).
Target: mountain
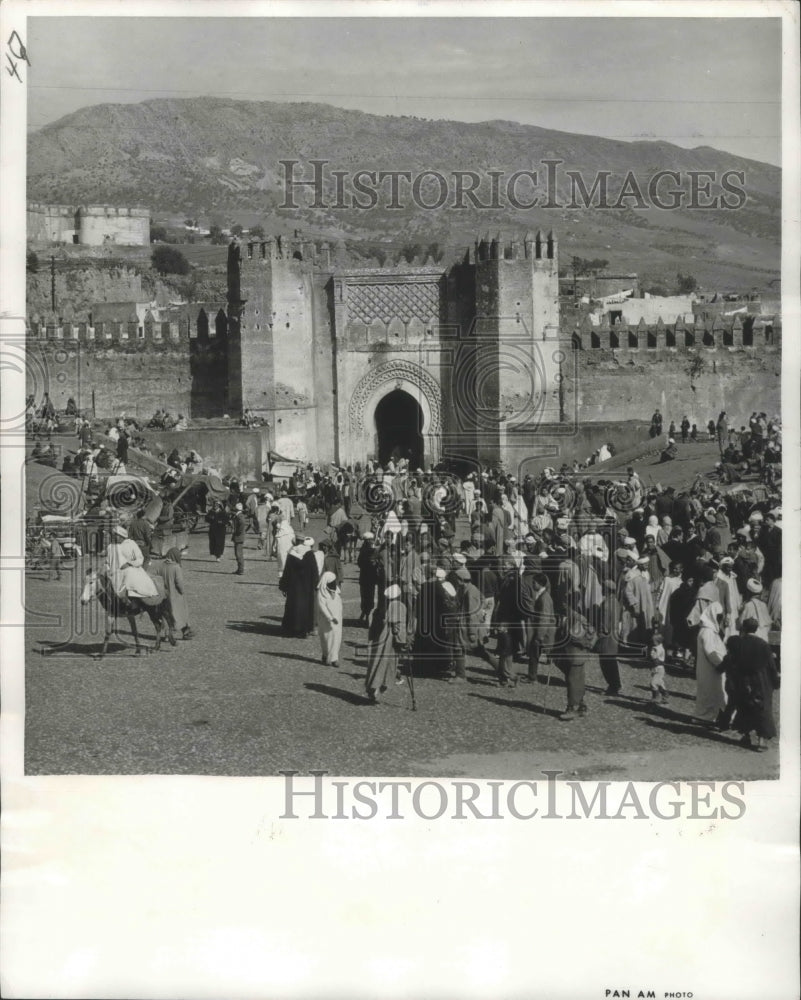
(218,160)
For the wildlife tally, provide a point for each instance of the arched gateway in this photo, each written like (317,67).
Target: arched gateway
(395,408)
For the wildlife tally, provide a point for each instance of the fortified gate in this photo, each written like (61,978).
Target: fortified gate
(414,361)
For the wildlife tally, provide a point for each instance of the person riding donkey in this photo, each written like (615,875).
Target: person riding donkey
(135,590)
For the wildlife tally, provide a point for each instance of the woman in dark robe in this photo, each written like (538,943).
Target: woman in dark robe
(218,526)
(298,584)
(387,638)
(367,576)
(331,561)
(607,623)
(171,573)
(437,610)
(751,679)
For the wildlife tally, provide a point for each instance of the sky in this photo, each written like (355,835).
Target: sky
(693,82)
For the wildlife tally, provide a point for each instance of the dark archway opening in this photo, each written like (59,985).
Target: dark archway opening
(398,424)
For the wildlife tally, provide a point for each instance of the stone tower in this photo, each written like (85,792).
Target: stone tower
(271,362)
(517,356)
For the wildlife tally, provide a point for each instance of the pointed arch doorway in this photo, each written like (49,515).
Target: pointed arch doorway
(399,429)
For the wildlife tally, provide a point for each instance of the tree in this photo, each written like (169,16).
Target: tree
(258,232)
(168,260)
(236,230)
(31,262)
(686,283)
(216,234)
(584,265)
(158,234)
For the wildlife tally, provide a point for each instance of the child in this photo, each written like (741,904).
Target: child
(55,555)
(302,513)
(267,536)
(710,428)
(656,653)
(694,433)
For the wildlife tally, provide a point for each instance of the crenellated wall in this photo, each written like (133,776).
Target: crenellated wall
(315,350)
(111,368)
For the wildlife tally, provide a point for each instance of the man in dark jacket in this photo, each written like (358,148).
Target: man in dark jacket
(239,527)
(607,646)
(540,621)
(664,503)
(465,637)
(508,623)
(751,679)
(769,541)
(368,576)
(122,448)
(140,530)
(576,640)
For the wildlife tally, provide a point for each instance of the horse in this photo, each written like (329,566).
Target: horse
(98,585)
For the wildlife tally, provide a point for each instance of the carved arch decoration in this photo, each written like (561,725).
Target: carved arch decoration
(399,374)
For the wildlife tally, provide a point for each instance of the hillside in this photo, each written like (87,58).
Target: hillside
(218,160)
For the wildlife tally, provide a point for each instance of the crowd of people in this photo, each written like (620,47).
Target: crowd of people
(755,450)
(162,420)
(562,570)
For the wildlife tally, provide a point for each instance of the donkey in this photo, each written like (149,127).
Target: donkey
(99,585)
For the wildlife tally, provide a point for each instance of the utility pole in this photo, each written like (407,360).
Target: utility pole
(52,283)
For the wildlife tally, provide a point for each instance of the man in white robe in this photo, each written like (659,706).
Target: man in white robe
(710,696)
(730,599)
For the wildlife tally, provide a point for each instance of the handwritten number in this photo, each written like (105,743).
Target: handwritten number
(16,53)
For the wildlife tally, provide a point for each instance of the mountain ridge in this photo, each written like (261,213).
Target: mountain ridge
(218,158)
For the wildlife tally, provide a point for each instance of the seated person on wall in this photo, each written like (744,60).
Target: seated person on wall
(103,458)
(670,452)
(47,456)
(727,472)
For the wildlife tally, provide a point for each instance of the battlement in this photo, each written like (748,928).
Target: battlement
(709,333)
(533,246)
(114,211)
(179,331)
(42,209)
(96,210)
(285,248)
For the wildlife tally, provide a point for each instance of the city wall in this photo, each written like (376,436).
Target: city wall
(135,377)
(631,384)
(312,350)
